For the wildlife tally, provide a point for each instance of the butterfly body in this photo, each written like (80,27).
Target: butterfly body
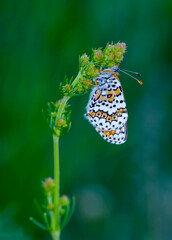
(106,109)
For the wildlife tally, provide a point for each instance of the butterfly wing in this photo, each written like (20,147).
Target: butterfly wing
(117,136)
(106,110)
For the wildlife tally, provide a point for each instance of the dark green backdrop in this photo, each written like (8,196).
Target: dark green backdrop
(123,192)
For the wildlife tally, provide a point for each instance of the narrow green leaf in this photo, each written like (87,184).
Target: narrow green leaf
(46,220)
(68,213)
(65,217)
(72,207)
(37,223)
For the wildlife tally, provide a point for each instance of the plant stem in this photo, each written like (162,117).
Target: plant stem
(62,106)
(56,218)
(76,79)
(55,222)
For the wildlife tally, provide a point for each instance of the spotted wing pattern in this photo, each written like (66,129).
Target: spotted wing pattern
(106,110)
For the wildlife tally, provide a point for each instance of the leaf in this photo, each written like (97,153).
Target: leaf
(68,213)
(38,223)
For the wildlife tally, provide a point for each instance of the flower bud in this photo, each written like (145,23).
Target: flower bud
(64,200)
(48,184)
(84,60)
(50,206)
(57,104)
(122,46)
(114,53)
(67,89)
(53,114)
(98,56)
(61,123)
(92,71)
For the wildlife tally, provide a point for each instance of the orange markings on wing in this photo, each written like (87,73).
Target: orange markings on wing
(106,133)
(98,95)
(99,113)
(117,78)
(107,71)
(123,110)
(114,116)
(109,92)
(119,111)
(92,114)
(110,96)
(101,98)
(117,91)
(109,133)
(110,99)
(104,115)
(109,118)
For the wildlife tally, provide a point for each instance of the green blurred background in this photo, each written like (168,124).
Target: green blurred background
(123,192)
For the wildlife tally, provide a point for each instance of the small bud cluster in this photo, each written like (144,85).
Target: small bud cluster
(64,201)
(88,72)
(114,54)
(90,67)
(64,207)
(48,186)
(66,87)
(98,56)
(59,126)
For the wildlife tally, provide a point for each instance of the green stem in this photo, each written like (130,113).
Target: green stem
(61,108)
(55,220)
(56,217)
(76,79)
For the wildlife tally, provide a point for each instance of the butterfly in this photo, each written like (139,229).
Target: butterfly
(106,109)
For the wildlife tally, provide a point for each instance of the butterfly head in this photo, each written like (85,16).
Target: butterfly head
(115,67)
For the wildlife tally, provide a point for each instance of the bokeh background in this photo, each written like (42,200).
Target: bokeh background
(123,192)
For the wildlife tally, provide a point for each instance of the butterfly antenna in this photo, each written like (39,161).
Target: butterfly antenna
(138,74)
(132,76)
